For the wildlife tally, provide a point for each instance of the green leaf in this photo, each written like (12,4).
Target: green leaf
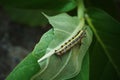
(29,66)
(29,12)
(61,5)
(68,65)
(55,67)
(33,17)
(30,17)
(105,49)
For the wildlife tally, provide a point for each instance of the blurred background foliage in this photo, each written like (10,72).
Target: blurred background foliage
(29,11)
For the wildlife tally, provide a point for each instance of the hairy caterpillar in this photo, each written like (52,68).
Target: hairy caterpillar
(68,45)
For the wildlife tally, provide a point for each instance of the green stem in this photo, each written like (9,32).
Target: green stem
(81,9)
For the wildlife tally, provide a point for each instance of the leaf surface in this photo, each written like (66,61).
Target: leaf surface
(84,73)
(32,17)
(61,5)
(29,11)
(105,48)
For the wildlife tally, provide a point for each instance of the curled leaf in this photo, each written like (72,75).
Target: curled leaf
(55,67)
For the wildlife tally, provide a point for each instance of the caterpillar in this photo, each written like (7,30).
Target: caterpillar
(68,45)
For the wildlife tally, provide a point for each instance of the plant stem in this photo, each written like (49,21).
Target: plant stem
(80,11)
